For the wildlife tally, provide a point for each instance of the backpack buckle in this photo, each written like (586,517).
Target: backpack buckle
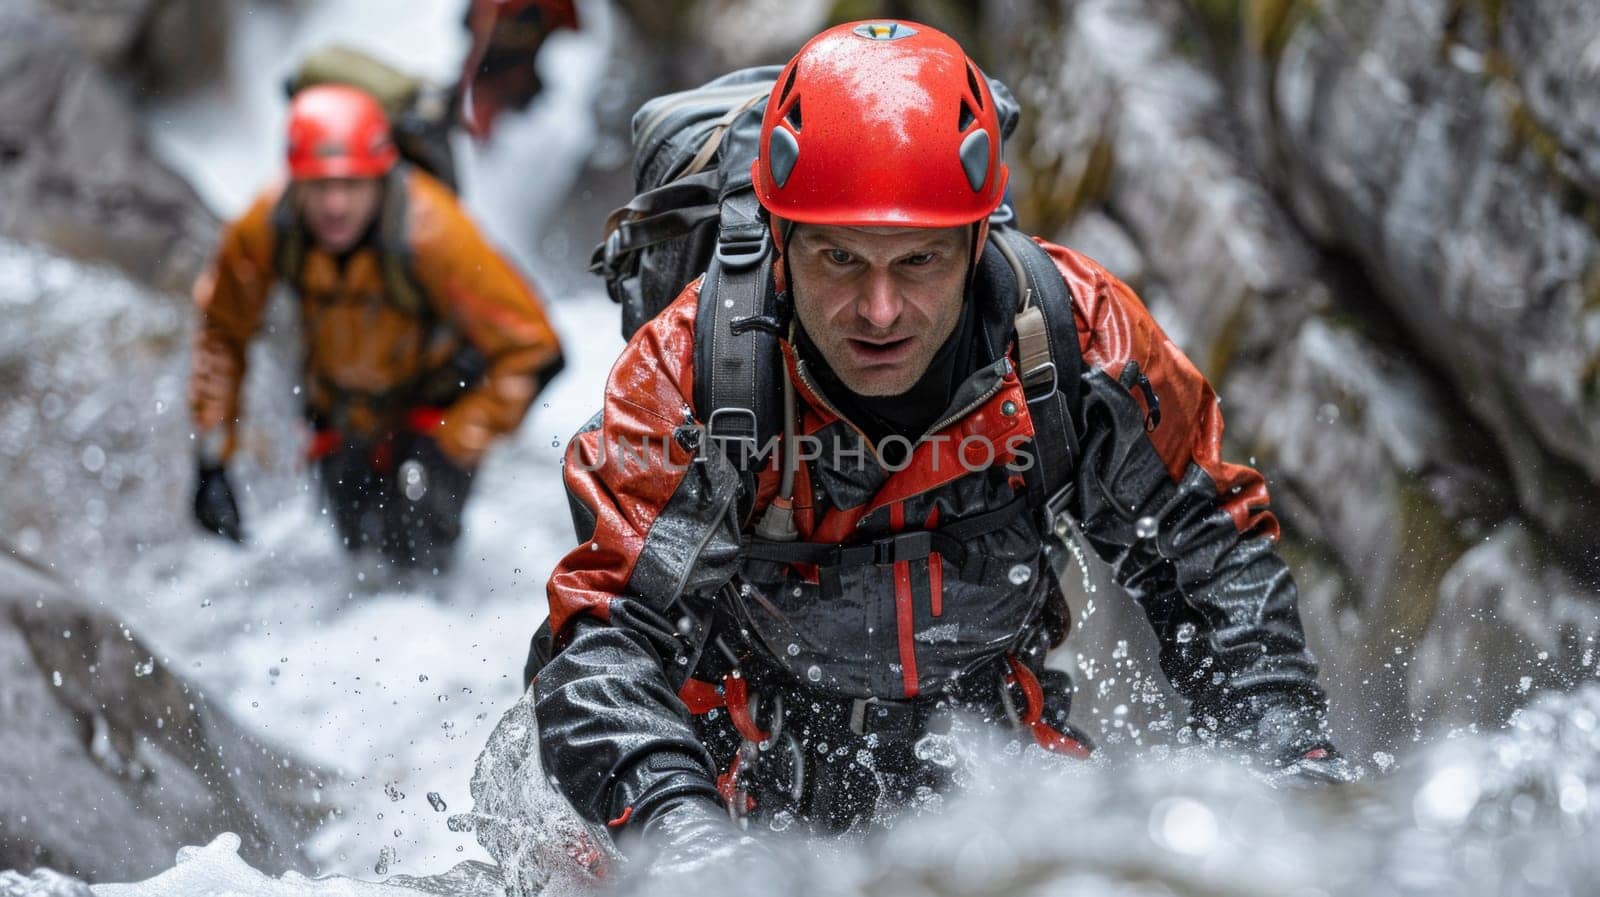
(743,247)
(1030,380)
(748,441)
(913,546)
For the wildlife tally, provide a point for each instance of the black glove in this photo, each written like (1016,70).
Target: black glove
(214,507)
(691,836)
(1288,733)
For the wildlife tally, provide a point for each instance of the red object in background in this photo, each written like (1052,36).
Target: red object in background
(336,131)
(507,35)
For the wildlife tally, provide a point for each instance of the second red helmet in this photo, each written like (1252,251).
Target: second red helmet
(880,123)
(337,131)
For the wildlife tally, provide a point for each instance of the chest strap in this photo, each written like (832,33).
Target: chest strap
(950,541)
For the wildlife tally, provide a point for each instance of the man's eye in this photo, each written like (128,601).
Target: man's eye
(840,257)
(921,258)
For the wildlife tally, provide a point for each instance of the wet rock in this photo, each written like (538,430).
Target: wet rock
(1378,470)
(1450,148)
(75,172)
(112,762)
(1508,624)
(158,42)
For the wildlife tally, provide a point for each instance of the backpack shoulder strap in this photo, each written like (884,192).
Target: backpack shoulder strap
(401,286)
(289,245)
(1050,367)
(737,377)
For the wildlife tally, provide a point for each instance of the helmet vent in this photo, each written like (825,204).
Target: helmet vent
(972,82)
(966,117)
(788,84)
(975,159)
(793,118)
(783,151)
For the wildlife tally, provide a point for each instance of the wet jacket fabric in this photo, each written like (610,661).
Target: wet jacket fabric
(367,357)
(658,605)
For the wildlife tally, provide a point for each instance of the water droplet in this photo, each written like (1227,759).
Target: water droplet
(443,699)
(1383,760)
(793,649)
(55,678)
(814,673)
(393,790)
(1020,574)
(145,667)
(685,625)
(781,820)
(422,677)
(1146,528)
(205,602)
(936,749)
(94,458)
(1185,633)
(1328,413)
(397,833)
(436,802)
(385,857)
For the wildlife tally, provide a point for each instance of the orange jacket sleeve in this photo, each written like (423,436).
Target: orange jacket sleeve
(477,291)
(230,298)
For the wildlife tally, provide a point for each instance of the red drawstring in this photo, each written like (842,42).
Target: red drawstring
(1044,735)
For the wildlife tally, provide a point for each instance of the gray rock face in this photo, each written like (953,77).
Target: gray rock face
(112,763)
(1453,156)
(74,169)
(1383,477)
(159,42)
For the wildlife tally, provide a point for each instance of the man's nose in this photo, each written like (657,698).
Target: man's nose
(336,201)
(880,305)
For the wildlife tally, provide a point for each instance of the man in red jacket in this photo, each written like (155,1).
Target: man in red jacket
(776,645)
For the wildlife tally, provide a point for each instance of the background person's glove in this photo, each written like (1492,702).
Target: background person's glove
(214,507)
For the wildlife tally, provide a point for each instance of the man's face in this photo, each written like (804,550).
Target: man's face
(338,211)
(878,302)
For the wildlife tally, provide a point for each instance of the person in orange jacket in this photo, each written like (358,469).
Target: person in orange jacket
(422,344)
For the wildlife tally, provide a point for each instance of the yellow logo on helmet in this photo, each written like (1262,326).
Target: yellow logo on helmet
(884,30)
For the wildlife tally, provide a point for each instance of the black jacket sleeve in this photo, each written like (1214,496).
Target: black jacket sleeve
(1189,536)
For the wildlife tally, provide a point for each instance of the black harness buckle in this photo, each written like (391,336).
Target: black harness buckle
(913,546)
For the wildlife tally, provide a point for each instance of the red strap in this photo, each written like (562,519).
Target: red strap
(1032,716)
(700,697)
(425,420)
(627,814)
(323,443)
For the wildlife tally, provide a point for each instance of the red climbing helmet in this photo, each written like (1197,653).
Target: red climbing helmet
(336,131)
(880,123)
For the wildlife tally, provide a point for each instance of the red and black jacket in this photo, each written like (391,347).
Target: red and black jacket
(665,550)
